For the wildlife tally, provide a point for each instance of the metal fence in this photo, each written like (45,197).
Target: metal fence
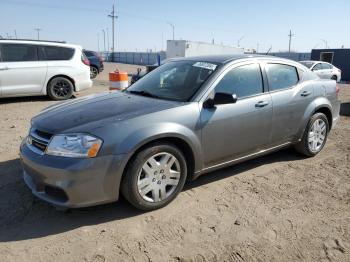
(136,58)
(292,56)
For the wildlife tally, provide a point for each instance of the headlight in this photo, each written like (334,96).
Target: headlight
(74,145)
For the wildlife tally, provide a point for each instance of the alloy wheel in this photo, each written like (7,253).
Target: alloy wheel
(93,72)
(61,88)
(317,135)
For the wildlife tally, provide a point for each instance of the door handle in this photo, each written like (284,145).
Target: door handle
(4,68)
(261,104)
(305,93)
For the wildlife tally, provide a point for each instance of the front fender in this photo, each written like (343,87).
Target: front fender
(140,137)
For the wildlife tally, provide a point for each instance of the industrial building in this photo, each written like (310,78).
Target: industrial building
(185,48)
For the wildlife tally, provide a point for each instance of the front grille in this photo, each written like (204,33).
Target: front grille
(39,139)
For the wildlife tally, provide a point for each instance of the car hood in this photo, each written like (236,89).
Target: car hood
(115,106)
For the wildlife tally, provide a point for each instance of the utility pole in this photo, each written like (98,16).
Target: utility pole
(98,42)
(173,27)
(113,16)
(38,31)
(290,40)
(107,39)
(104,40)
(15,34)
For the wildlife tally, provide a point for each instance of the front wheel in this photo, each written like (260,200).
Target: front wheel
(315,136)
(155,177)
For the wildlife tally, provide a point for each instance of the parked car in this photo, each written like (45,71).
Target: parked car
(323,69)
(96,63)
(31,68)
(187,117)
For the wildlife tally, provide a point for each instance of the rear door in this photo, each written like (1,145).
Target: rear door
(21,72)
(290,97)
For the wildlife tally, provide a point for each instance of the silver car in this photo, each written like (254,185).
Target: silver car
(323,69)
(186,118)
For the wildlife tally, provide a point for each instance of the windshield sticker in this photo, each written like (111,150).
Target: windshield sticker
(205,65)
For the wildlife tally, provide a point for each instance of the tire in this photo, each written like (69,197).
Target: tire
(308,145)
(148,188)
(60,88)
(93,72)
(334,78)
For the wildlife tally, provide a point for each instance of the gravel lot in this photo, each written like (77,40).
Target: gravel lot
(280,207)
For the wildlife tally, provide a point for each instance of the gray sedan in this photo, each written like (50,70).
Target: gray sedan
(188,117)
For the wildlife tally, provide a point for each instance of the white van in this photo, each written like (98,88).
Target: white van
(30,68)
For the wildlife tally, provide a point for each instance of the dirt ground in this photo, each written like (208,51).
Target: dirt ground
(281,207)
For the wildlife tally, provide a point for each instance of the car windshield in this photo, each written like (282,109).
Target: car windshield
(177,81)
(307,63)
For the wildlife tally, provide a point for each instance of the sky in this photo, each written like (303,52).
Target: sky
(143,25)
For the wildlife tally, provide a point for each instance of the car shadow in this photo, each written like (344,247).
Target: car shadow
(23,216)
(345,109)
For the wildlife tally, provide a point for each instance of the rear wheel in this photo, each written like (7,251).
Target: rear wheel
(93,72)
(155,177)
(60,88)
(315,136)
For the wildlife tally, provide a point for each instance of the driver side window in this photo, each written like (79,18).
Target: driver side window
(244,81)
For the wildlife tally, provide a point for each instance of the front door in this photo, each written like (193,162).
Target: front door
(234,130)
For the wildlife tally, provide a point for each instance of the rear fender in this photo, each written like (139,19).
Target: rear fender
(314,106)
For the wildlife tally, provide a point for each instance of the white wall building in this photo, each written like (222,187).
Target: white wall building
(185,48)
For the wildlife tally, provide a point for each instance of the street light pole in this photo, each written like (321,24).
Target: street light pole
(113,16)
(173,27)
(239,41)
(104,40)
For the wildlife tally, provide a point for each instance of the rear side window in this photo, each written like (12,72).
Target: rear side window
(57,53)
(326,66)
(281,76)
(317,67)
(243,81)
(18,53)
(89,53)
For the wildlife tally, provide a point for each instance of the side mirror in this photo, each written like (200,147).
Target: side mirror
(220,99)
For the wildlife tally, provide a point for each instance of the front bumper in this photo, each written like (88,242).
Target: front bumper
(72,182)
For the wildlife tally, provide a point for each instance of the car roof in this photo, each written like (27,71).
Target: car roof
(39,42)
(313,61)
(224,59)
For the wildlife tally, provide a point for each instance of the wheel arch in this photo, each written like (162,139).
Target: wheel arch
(60,75)
(327,112)
(180,143)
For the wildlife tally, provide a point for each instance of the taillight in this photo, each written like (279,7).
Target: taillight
(337,89)
(85,60)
